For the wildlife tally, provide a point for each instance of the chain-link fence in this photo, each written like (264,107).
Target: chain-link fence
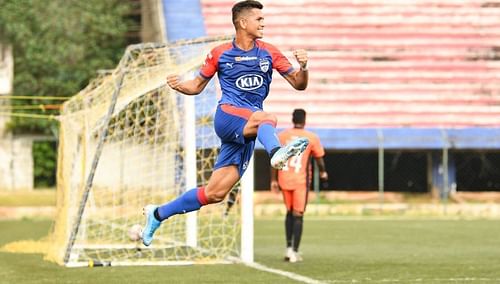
(416,171)
(454,161)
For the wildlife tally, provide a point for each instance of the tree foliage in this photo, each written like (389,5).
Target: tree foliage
(58,46)
(45,159)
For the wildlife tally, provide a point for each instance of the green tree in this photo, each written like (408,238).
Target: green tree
(45,159)
(58,46)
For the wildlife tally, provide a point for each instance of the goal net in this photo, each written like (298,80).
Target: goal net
(127,140)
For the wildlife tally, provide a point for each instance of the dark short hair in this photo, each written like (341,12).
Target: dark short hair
(299,116)
(244,5)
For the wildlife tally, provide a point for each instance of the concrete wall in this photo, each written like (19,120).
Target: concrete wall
(153,23)
(6,76)
(16,160)
(16,163)
(6,69)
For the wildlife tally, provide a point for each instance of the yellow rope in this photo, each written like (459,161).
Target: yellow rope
(41,107)
(34,98)
(29,115)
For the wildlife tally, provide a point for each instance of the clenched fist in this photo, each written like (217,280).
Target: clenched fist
(275,188)
(301,57)
(173,81)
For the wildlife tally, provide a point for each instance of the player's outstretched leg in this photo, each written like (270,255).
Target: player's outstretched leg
(296,147)
(151,224)
(190,200)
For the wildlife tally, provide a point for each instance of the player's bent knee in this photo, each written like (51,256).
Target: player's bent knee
(268,117)
(298,213)
(262,117)
(215,197)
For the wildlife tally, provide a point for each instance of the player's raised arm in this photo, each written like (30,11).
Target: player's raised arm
(299,79)
(189,87)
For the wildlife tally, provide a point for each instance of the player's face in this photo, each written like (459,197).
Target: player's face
(255,23)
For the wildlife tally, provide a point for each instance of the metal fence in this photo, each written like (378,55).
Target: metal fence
(422,161)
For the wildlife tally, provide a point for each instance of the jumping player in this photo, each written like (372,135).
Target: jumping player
(244,67)
(294,179)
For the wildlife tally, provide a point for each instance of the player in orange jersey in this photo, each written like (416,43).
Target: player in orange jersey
(294,180)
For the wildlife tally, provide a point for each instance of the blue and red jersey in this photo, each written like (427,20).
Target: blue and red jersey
(245,76)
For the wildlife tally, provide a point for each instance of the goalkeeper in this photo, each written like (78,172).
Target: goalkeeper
(244,67)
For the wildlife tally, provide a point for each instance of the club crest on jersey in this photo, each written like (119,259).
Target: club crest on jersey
(264,65)
(249,82)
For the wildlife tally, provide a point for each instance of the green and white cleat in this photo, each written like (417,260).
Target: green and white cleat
(296,147)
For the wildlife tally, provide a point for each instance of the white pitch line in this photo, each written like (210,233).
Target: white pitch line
(296,277)
(418,280)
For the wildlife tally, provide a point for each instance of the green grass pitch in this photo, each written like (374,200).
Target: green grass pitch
(367,250)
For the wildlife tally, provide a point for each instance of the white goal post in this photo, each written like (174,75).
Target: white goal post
(127,140)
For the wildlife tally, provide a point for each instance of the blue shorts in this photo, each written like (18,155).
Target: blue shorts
(236,150)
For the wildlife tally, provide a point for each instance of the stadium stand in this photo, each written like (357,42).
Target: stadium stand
(390,64)
(411,83)
(411,77)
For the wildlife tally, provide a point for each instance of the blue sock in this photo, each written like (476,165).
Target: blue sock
(187,202)
(267,137)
